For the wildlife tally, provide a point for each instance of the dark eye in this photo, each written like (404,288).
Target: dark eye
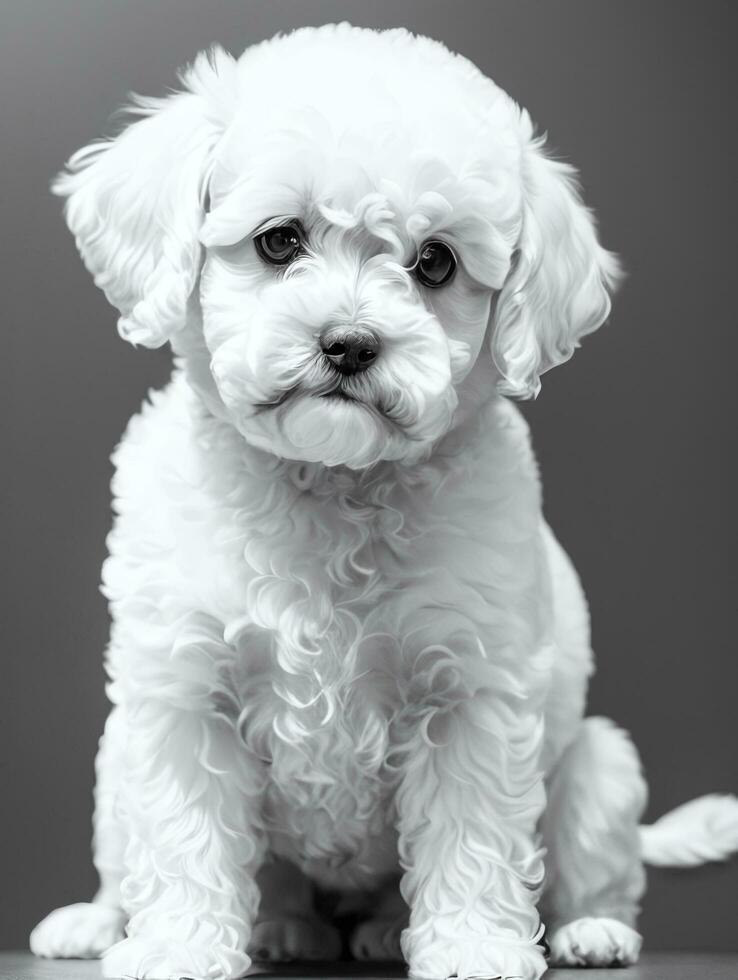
(436,264)
(278,246)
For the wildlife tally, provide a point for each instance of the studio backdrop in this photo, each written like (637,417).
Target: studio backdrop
(635,436)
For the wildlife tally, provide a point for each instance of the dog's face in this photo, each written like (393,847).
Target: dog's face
(326,231)
(353,244)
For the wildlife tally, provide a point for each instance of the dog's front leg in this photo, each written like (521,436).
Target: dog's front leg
(468,804)
(191,797)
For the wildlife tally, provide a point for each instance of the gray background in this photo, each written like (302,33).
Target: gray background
(635,436)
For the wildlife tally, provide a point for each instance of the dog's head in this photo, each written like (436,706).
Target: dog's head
(327,229)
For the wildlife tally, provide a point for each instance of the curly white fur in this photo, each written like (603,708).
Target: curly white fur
(344,641)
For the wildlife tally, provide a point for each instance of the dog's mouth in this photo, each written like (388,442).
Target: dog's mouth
(340,395)
(336,393)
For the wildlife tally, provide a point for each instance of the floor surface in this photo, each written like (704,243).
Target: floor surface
(653,966)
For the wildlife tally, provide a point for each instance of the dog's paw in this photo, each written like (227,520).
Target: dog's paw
(81,931)
(278,939)
(378,939)
(147,957)
(594,942)
(475,959)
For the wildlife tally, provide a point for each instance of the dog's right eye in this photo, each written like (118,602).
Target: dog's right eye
(280,245)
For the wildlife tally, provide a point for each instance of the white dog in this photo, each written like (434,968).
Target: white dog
(346,648)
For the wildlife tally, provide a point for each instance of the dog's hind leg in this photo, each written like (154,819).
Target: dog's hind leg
(594,869)
(86,929)
(378,937)
(287,926)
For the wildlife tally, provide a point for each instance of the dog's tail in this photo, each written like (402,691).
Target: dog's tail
(705,829)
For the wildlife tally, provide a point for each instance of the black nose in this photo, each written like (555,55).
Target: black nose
(349,349)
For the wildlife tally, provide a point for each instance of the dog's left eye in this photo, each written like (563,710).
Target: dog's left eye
(436,264)
(279,246)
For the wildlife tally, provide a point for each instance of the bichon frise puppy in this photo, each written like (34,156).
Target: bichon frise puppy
(347,651)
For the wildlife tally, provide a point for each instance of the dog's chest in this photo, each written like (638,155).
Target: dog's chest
(328,802)
(319,690)
(319,592)
(324,747)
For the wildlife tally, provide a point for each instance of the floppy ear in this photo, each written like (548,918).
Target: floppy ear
(559,284)
(135,203)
